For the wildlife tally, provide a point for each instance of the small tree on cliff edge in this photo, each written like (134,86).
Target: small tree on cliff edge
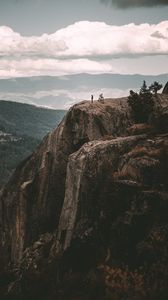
(144,89)
(155,87)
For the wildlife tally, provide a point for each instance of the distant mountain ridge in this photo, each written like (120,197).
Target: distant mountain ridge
(25,84)
(63,91)
(22,127)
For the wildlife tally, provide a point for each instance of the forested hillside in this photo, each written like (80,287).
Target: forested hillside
(22,127)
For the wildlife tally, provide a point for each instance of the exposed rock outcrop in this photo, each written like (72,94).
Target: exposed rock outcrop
(91,200)
(32,200)
(165,89)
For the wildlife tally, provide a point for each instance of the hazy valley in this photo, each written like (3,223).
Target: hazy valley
(61,92)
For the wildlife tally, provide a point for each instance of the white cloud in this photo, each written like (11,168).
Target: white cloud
(97,38)
(44,66)
(87,39)
(13,44)
(147,65)
(82,47)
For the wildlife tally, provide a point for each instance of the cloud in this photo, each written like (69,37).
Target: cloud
(38,67)
(136,3)
(86,39)
(82,47)
(146,65)
(97,39)
(13,44)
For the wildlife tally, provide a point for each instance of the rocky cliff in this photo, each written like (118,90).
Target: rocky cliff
(87,213)
(165,89)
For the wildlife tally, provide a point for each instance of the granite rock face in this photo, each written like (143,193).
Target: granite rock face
(91,201)
(165,89)
(32,200)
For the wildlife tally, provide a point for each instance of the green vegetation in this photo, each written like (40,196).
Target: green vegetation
(22,127)
(142,103)
(144,89)
(141,106)
(155,87)
(13,152)
(23,119)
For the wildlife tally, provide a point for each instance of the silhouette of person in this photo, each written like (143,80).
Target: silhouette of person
(91,98)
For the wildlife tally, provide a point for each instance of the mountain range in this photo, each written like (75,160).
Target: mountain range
(63,91)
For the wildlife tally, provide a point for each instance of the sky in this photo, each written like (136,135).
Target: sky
(66,37)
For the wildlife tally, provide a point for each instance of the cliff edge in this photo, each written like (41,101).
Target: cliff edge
(88,208)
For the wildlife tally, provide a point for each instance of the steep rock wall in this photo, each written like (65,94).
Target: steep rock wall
(92,164)
(91,200)
(32,200)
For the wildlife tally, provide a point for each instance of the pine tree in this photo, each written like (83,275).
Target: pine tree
(144,89)
(155,87)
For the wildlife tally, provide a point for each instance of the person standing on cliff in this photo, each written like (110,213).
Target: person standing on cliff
(91,98)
